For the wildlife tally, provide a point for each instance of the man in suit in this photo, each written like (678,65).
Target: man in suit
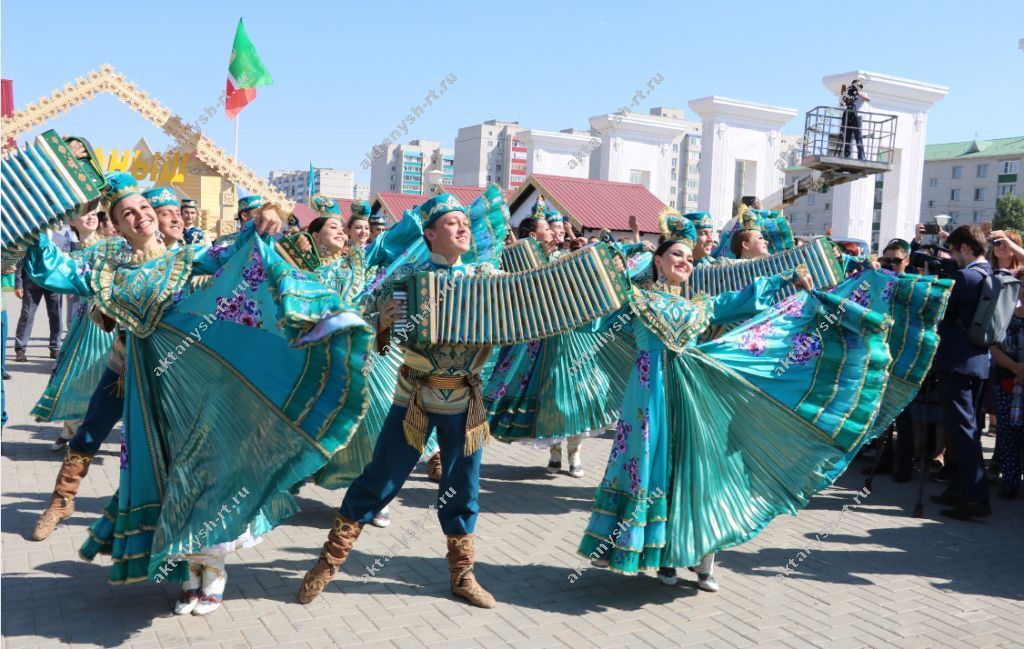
(31,295)
(962,368)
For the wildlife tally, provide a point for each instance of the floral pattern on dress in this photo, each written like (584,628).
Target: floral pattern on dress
(124,450)
(753,340)
(805,347)
(254,273)
(533,348)
(504,364)
(791,306)
(890,288)
(645,425)
(861,297)
(500,392)
(633,469)
(622,430)
(643,367)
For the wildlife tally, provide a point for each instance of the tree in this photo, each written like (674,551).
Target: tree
(1009,213)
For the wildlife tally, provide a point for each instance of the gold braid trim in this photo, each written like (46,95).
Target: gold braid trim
(415,424)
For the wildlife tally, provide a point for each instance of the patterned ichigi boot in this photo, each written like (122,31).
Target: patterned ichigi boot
(434,467)
(62,503)
(460,565)
(215,578)
(339,542)
(575,461)
(190,590)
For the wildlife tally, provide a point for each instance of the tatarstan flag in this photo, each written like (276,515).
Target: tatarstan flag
(245,73)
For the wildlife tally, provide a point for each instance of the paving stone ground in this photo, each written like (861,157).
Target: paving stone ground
(880,579)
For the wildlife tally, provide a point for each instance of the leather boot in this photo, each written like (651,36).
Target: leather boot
(434,467)
(62,502)
(339,542)
(460,565)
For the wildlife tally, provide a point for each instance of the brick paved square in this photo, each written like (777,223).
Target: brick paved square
(882,579)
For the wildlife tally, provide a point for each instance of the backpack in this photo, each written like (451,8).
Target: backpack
(998,299)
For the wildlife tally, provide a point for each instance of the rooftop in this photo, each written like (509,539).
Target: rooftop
(594,204)
(1007,146)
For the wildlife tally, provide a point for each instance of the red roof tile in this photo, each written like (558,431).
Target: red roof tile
(594,204)
(395,204)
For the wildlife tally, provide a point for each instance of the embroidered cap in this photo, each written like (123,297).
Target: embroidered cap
(437,207)
(326,206)
(120,185)
(361,210)
(677,227)
(251,202)
(161,196)
(189,202)
(701,220)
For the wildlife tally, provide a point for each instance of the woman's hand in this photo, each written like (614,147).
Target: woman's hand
(303,244)
(648,246)
(919,232)
(389,314)
(78,149)
(804,280)
(943,235)
(268,221)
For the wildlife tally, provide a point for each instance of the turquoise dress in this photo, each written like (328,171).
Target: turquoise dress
(717,439)
(227,393)
(772,224)
(561,386)
(83,355)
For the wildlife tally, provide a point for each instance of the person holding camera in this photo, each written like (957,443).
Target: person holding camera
(962,368)
(851,99)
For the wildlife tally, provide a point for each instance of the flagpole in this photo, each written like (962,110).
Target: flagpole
(236,137)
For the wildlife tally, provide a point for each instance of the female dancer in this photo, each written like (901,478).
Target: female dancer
(717,439)
(198,391)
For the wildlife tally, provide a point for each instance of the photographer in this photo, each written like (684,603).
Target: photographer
(962,367)
(850,100)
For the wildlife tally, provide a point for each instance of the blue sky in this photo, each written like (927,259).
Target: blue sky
(346,73)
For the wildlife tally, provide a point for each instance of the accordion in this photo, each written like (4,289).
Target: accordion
(522,255)
(44,186)
(511,308)
(818,256)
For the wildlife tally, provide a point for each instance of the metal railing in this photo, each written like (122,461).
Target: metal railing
(830,132)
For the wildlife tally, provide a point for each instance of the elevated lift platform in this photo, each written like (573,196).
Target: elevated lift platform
(824,152)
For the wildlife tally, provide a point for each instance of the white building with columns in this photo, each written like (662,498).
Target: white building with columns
(853,203)
(637,149)
(742,145)
(555,153)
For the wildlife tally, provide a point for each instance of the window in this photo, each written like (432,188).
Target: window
(954,194)
(1008,166)
(933,182)
(671,203)
(674,161)
(982,171)
(1007,189)
(808,218)
(979,193)
(693,155)
(672,190)
(692,198)
(977,216)
(674,174)
(675,149)
(931,203)
(828,206)
(694,140)
(640,177)
(691,184)
(810,199)
(957,171)
(691,169)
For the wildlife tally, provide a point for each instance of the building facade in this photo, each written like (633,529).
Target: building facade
(490,152)
(403,168)
(294,184)
(965,179)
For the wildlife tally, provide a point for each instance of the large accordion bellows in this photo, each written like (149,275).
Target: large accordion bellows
(818,256)
(523,255)
(513,308)
(43,187)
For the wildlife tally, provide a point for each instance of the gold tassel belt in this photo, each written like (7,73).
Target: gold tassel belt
(415,424)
